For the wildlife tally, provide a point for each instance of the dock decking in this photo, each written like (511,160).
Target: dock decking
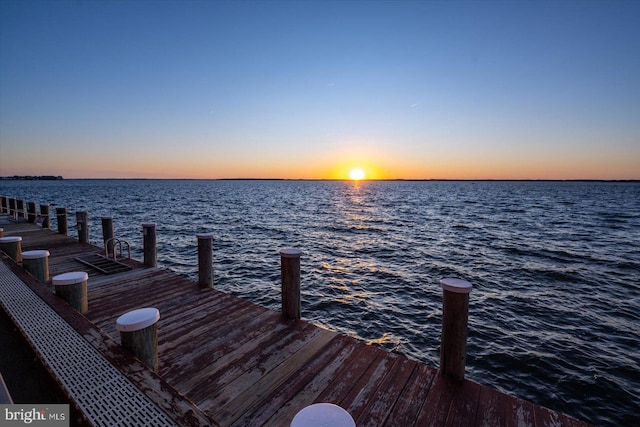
(226,361)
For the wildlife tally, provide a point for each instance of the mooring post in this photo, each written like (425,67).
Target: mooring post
(1,232)
(455,316)
(61,215)
(37,263)
(82,221)
(72,287)
(4,207)
(150,244)
(31,212)
(139,334)
(205,260)
(44,213)
(12,208)
(19,209)
(12,246)
(108,234)
(290,276)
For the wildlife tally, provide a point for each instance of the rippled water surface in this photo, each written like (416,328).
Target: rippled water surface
(555,310)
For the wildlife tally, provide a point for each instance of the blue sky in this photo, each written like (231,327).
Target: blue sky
(404,89)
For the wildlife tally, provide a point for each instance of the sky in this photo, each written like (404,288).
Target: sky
(313,89)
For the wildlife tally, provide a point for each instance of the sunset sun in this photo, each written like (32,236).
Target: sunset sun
(357,174)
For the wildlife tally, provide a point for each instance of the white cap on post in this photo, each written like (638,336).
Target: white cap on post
(290,253)
(323,414)
(457,286)
(137,319)
(70,278)
(37,254)
(205,235)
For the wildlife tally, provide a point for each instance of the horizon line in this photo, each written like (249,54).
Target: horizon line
(36,177)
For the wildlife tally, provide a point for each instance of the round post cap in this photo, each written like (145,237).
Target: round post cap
(35,254)
(137,319)
(458,286)
(205,235)
(148,224)
(321,415)
(70,278)
(10,239)
(290,253)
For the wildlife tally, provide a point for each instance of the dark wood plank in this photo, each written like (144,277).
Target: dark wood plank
(350,373)
(303,388)
(464,405)
(492,408)
(384,399)
(412,397)
(256,387)
(436,406)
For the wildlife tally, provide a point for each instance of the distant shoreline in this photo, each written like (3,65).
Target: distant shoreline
(31,178)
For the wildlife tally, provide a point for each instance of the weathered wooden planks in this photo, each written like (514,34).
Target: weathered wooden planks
(243,364)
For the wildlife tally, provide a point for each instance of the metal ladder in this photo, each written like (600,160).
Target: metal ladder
(116,243)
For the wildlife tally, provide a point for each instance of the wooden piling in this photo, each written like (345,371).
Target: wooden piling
(44,213)
(290,275)
(108,234)
(31,212)
(12,246)
(4,204)
(1,232)
(19,209)
(61,215)
(37,263)
(455,316)
(150,247)
(139,334)
(205,260)
(12,207)
(82,221)
(72,287)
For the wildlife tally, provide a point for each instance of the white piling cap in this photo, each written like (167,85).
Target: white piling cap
(290,253)
(205,235)
(70,278)
(35,254)
(137,319)
(321,415)
(10,239)
(457,286)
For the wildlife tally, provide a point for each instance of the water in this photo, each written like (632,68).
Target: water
(555,310)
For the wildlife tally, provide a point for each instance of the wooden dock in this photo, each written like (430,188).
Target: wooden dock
(225,361)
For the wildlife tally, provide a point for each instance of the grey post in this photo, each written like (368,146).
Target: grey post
(150,244)
(108,234)
(61,215)
(12,207)
(37,263)
(82,221)
(205,260)
(12,246)
(31,212)
(44,212)
(72,287)
(19,209)
(290,275)
(455,316)
(139,334)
